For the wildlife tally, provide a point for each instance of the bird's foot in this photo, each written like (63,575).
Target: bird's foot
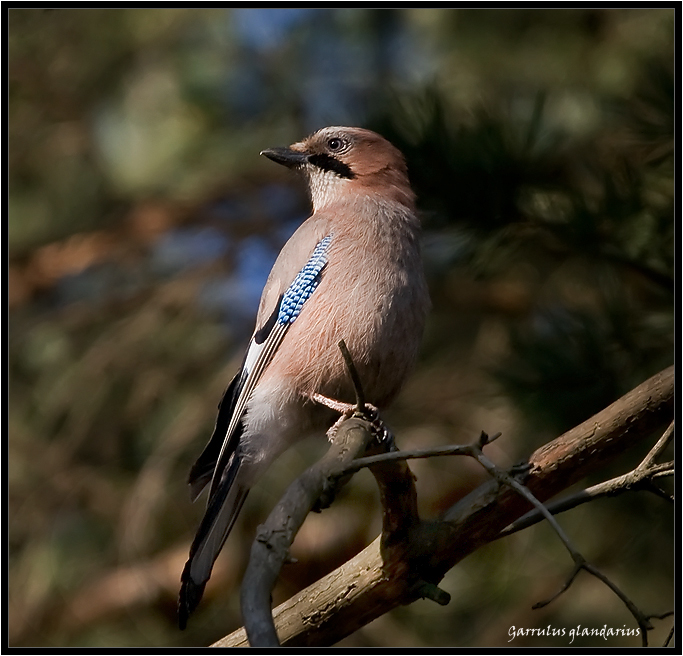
(369,412)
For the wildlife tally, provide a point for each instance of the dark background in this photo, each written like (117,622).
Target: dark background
(142,224)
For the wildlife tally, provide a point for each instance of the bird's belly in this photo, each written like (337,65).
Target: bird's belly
(382,333)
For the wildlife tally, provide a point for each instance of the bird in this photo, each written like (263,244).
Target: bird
(352,271)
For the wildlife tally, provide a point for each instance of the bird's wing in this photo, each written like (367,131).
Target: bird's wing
(212,463)
(202,470)
(220,461)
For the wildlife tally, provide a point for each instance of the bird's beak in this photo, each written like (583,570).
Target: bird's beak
(285,156)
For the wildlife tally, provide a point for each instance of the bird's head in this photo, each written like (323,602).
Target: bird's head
(339,162)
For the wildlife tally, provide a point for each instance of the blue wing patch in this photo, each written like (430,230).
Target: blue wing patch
(304,284)
(262,348)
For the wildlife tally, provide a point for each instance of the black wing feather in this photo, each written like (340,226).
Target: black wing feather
(202,470)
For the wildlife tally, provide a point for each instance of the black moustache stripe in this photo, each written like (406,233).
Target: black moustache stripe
(328,163)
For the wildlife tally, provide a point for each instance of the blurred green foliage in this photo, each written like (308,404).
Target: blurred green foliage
(141,225)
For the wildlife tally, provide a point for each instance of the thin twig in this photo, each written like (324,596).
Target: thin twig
(504,477)
(662,494)
(369,461)
(658,448)
(668,638)
(355,378)
(640,478)
(634,480)
(660,616)
(565,586)
(638,614)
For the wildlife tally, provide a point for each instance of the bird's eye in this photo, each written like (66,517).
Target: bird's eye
(335,144)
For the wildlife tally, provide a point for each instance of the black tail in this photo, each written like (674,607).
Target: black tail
(221,513)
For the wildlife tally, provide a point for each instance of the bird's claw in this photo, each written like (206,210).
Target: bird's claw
(369,413)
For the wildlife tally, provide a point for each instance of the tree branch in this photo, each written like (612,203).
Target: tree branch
(368,586)
(640,478)
(270,549)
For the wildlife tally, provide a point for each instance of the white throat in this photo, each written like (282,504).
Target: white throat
(325,187)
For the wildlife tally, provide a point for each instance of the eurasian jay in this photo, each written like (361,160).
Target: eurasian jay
(351,271)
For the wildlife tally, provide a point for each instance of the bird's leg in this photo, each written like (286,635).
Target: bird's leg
(368,412)
(346,409)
